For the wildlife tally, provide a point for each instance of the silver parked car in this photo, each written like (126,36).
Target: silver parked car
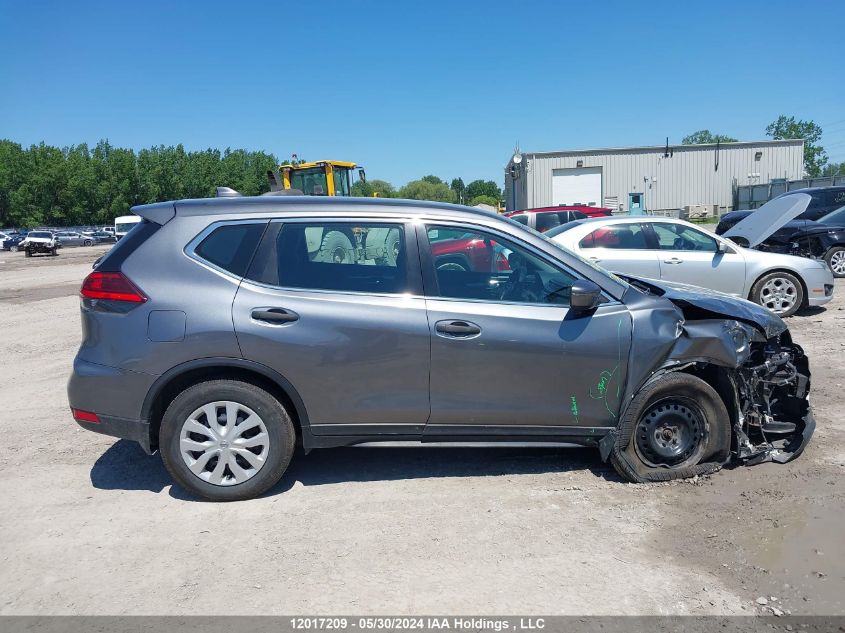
(223,332)
(680,252)
(74,238)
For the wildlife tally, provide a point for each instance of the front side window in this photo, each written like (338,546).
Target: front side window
(345,257)
(627,236)
(836,217)
(475,265)
(677,237)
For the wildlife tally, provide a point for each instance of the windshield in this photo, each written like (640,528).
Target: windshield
(311,182)
(837,216)
(40,234)
(557,231)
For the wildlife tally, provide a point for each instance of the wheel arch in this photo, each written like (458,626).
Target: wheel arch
(176,380)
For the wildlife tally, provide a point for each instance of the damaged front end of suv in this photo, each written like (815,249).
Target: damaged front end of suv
(744,352)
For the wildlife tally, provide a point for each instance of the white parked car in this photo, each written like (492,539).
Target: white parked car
(677,251)
(43,242)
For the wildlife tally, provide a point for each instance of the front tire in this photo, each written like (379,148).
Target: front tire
(835,258)
(675,427)
(28,252)
(780,292)
(226,440)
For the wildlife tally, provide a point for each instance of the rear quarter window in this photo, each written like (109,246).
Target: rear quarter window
(231,246)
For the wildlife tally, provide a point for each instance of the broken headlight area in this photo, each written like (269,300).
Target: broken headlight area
(774,420)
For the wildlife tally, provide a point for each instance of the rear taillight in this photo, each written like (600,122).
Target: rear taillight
(111,287)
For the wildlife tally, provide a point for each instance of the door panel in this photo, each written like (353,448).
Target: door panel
(689,256)
(621,248)
(529,365)
(505,348)
(354,359)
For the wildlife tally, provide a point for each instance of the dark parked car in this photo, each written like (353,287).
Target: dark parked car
(224,332)
(11,243)
(545,219)
(103,237)
(823,201)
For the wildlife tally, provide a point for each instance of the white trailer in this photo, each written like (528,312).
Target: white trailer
(123,224)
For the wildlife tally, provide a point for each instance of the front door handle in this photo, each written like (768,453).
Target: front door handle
(275,316)
(595,259)
(457,329)
(674,260)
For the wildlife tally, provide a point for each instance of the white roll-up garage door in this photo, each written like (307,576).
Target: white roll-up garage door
(579,185)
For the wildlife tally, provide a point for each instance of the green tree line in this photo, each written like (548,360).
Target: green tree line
(436,189)
(44,185)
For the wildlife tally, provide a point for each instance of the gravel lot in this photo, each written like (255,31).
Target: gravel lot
(92,525)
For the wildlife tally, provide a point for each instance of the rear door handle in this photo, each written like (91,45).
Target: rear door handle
(457,329)
(276,316)
(674,260)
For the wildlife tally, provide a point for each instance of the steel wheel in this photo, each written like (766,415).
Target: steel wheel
(671,433)
(837,262)
(779,295)
(224,443)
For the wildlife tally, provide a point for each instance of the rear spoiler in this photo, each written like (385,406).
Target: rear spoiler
(159,213)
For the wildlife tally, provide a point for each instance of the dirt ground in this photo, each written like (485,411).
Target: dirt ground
(92,525)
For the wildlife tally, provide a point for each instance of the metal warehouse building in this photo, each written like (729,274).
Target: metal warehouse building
(654,179)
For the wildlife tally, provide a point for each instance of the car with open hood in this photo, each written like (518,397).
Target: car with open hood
(822,201)
(680,252)
(820,239)
(225,332)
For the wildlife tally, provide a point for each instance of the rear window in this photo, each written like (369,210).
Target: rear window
(230,247)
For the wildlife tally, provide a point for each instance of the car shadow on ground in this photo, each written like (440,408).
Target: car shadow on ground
(124,466)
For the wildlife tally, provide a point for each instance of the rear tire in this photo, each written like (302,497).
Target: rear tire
(779,292)
(675,427)
(835,258)
(273,442)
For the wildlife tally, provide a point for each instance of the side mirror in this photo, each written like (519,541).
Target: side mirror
(721,247)
(362,175)
(584,295)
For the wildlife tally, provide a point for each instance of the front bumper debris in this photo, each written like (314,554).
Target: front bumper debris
(774,420)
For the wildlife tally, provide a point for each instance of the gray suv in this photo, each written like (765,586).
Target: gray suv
(223,332)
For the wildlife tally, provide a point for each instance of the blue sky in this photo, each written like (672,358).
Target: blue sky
(412,88)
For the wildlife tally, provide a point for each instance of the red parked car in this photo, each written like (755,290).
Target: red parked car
(457,250)
(544,218)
